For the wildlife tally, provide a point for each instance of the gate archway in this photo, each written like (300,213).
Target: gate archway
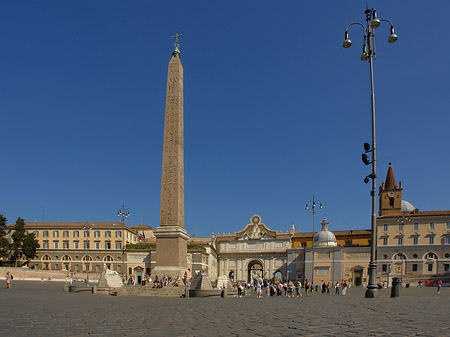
(255,271)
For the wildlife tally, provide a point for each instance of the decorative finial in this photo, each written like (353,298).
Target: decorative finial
(176,52)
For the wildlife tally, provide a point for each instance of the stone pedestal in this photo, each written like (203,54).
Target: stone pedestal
(171,251)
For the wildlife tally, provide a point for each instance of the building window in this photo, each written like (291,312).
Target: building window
(415,226)
(400,227)
(414,267)
(322,271)
(384,268)
(415,256)
(348,243)
(118,234)
(45,234)
(400,240)
(134,238)
(118,245)
(431,226)
(36,234)
(55,234)
(385,241)
(108,234)
(303,244)
(45,245)
(55,244)
(430,267)
(446,267)
(447,225)
(86,234)
(97,244)
(75,244)
(65,234)
(415,240)
(65,244)
(96,234)
(431,240)
(107,245)
(447,239)
(76,234)
(86,244)
(385,227)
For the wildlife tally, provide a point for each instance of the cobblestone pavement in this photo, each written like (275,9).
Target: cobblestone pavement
(43,309)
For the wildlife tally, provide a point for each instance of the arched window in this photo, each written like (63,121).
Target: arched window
(107,260)
(46,262)
(66,259)
(430,266)
(86,262)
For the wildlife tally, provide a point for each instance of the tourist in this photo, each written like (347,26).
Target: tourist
(272,289)
(258,290)
(336,287)
(419,284)
(324,287)
(298,288)
(9,278)
(439,285)
(344,288)
(306,287)
(328,288)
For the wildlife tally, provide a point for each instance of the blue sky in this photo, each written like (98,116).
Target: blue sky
(275,109)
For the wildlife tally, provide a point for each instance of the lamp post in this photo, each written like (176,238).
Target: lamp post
(313,210)
(402,220)
(124,213)
(372,22)
(87,230)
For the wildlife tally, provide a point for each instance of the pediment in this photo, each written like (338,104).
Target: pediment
(256,230)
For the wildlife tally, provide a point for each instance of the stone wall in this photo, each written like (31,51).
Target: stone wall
(46,275)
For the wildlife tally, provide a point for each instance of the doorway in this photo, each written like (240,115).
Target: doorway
(357,277)
(255,271)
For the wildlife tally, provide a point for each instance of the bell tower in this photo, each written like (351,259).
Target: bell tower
(390,195)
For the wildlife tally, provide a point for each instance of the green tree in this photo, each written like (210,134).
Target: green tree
(18,236)
(5,247)
(29,247)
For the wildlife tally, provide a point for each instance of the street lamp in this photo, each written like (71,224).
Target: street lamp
(372,22)
(124,213)
(87,229)
(313,210)
(402,220)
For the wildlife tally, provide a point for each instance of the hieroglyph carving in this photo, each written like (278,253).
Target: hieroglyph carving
(172,179)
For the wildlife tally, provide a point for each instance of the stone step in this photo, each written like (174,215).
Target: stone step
(169,291)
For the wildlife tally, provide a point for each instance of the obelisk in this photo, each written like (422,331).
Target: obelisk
(171,237)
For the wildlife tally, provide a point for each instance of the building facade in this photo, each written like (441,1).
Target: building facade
(413,245)
(81,247)
(254,252)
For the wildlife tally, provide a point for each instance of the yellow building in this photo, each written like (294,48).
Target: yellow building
(330,256)
(80,246)
(412,244)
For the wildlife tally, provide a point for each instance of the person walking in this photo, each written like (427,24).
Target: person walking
(306,287)
(9,278)
(336,286)
(439,285)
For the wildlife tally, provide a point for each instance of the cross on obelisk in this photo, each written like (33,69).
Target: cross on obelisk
(176,44)
(171,237)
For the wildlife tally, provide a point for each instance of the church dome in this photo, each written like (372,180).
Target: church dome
(407,206)
(324,237)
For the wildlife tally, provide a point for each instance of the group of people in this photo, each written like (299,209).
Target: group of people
(288,288)
(160,282)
